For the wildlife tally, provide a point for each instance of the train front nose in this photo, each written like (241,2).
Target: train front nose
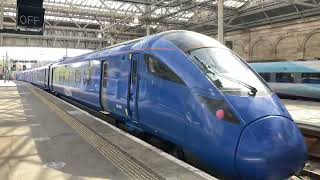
(270,148)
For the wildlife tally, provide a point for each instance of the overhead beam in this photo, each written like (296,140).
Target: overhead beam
(68,28)
(305,3)
(256,10)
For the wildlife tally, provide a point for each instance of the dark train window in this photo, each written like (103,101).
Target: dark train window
(266,76)
(88,74)
(60,76)
(67,75)
(105,75)
(284,78)
(134,69)
(159,69)
(188,40)
(310,78)
(77,76)
(91,70)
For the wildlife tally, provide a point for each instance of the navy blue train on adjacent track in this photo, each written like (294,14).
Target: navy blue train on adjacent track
(191,90)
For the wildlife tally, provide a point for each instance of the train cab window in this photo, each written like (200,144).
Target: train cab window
(310,78)
(284,78)
(266,76)
(159,69)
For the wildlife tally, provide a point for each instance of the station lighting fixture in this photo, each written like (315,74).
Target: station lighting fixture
(136,20)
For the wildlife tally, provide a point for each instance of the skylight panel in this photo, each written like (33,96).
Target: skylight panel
(233,3)
(134,8)
(126,6)
(158,11)
(88,3)
(10,13)
(117,5)
(189,15)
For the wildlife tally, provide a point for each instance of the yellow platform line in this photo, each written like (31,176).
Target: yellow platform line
(124,163)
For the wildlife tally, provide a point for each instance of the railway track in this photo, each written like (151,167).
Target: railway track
(311,170)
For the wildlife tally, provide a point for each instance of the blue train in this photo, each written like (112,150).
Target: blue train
(191,90)
(292,78)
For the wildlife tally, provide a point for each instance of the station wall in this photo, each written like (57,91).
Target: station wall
(291,40)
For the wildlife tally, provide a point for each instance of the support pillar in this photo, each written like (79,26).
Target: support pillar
(148,30)
(220,22)
(147,9)
(1,20)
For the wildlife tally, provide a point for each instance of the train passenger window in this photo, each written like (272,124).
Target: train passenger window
(134,72)
(67,76)
(310,78)
(60,77)
(266,76)
(159,69)
(105,75)
(87,76)
(77,76)
(284,78)
(90,71)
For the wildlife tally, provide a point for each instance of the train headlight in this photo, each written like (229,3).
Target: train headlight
(220,113)
(219,109)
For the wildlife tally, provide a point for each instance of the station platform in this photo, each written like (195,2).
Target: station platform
(304,112)
(43,137)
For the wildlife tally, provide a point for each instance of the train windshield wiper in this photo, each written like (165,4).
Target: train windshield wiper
(210,69)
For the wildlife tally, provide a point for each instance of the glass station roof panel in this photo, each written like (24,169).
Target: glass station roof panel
(113,11)
(233,3)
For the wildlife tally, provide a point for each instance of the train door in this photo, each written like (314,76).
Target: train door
(45,78)
(133,88)
(51,78)
(104,85)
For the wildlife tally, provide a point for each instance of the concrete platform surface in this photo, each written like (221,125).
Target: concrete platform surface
(43,137)
(7,83)
(304,112)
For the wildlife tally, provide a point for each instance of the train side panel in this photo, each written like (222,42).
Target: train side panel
(79,81)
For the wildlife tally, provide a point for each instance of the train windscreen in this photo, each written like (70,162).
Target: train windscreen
(225,69)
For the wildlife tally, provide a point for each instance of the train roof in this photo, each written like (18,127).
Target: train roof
(312,66)
(182,39)
(144,43)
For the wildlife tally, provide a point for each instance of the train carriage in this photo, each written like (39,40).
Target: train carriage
(292,78)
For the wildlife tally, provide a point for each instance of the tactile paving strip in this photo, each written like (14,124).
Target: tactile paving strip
(125,163)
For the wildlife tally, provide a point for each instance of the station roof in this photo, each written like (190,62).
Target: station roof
(126,19)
